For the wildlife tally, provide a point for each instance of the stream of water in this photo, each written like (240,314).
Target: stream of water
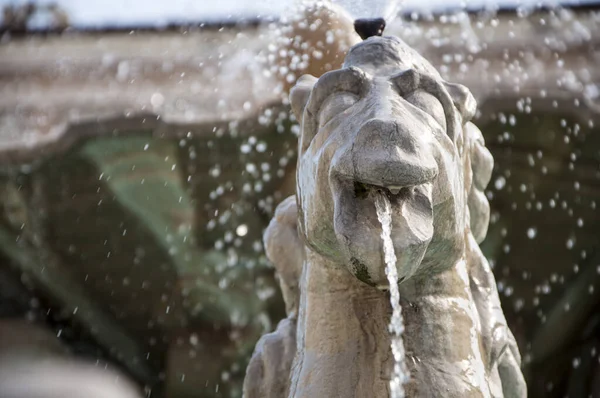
(386,9)
(400,373)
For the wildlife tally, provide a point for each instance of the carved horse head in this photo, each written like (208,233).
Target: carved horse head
(385,122)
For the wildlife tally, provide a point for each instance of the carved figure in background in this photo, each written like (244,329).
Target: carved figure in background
(386,122)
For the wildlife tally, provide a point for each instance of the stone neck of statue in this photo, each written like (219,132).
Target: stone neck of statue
(344,343)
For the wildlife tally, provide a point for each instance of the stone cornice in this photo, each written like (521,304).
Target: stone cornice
(55,90)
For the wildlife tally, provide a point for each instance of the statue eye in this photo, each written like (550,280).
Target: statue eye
(334,105)
(428,104)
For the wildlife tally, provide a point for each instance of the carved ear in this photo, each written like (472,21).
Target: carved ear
(300,93)
(463,100)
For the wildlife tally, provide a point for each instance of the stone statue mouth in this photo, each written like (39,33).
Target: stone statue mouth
(359,230)
(394,193)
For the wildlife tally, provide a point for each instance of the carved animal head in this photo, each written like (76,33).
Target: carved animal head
(387,122)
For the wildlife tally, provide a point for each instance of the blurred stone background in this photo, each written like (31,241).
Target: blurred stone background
(138,169)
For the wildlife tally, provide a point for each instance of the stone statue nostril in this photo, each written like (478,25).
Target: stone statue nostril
(367,27)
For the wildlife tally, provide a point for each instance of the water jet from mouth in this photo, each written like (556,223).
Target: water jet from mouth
(400,373)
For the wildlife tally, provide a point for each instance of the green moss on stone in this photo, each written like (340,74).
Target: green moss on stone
(361,272)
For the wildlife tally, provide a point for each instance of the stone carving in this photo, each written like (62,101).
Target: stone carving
(385,122)
(268,372)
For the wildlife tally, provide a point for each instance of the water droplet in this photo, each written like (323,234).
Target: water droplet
(241,230)
(157,100)
(500,183)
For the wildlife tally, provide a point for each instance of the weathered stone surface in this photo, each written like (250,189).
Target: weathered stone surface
(387,122)
(269,368)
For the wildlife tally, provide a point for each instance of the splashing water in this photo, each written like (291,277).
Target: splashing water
(386,9)
(400,373)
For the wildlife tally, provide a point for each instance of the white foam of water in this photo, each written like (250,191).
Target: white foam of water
(386,9)
(400,373)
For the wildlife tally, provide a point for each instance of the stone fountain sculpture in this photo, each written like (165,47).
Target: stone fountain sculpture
(385,123)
